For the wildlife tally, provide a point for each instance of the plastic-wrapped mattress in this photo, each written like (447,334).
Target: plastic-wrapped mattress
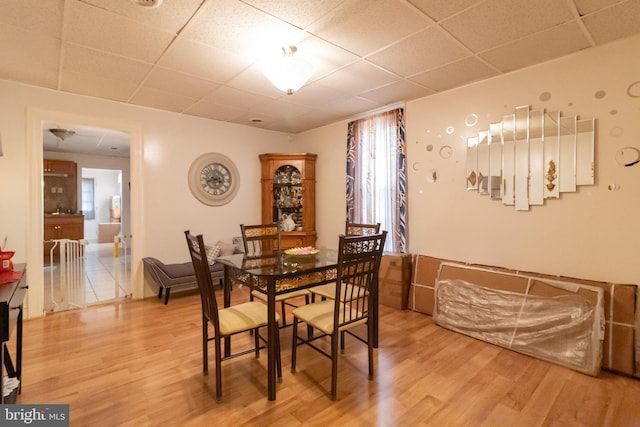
(565,326)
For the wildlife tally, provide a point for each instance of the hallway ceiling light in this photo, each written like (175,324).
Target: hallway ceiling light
(287,73)
(62,133)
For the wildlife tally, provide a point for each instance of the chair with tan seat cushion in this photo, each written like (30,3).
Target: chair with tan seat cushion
(358,265)
(249,316)
(350,229)
(264,239)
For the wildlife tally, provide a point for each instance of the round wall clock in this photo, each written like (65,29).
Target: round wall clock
(214,179)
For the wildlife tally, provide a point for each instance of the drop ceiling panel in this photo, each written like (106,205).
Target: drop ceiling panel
(363,26)
(225,95)
(550,44)
(439,10)
(396,92)
(357,77)
(159,99)
(323,56)
(37,16)
(351,106)
(626,17)
(176,82)
(456,74)
(93,85)
(237,27)
(172,16)
(315,95)
(83,61)
(302,15)
(428,49)
(105,31)
(203,61)
(251,80)
(586,7)
(17,64)
(211,110)
(496,22)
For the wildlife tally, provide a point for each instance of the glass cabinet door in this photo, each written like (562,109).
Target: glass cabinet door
(287,198)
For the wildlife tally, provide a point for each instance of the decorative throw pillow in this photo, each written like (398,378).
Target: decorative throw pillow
(213,252)
(225,248)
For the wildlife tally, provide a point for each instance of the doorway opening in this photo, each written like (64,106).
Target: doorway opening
(94,264)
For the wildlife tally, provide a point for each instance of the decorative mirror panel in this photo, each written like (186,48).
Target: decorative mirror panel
(531,156)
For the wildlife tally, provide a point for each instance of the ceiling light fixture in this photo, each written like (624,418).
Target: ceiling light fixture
(62,133)
(287,73)
(151,4)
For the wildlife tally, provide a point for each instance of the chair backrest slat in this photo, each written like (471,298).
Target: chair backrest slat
(203,277)
(357,277)
(260,239)
(355,229)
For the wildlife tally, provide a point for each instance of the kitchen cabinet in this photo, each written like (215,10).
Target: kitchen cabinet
(59,167)
(289,196)
(61,227)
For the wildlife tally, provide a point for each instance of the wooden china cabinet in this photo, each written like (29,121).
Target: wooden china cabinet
(289,196)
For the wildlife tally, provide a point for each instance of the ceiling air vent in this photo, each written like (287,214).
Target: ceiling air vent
(148,3)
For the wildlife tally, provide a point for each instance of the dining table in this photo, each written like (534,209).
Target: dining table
(276,273)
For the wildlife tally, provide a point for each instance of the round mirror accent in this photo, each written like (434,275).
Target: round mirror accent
(471,120)
(634,90)
(214,179)
(628,156)
(616,131)
(446,151)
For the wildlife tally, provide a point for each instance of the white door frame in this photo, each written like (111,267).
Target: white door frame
(34,305)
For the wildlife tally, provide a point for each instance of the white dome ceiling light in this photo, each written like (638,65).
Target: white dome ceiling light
(287,73)
(148,3)
(62,134)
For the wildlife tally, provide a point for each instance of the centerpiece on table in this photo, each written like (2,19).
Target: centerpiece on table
(301,254)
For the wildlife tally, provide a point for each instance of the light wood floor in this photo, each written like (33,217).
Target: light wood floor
(139,363)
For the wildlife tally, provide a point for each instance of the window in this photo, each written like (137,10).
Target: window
(376,175)
(88,198)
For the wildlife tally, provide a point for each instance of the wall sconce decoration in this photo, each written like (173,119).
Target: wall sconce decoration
(531,156)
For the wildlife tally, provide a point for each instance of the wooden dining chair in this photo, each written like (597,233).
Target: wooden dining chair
(350,229)
(358,265)
(262,240)
(249,316)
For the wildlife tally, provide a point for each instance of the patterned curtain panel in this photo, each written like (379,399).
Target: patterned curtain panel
(377,175)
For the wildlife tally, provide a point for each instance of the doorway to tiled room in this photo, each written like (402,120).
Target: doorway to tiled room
(90,262)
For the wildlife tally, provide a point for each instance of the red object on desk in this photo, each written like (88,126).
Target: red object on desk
(9,276)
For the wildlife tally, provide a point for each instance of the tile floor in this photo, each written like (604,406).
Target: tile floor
(106,278)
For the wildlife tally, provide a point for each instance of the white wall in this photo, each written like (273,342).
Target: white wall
(593,233)
(106,186)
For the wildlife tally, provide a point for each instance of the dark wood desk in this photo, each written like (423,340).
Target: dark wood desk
(11,298)
(276,274)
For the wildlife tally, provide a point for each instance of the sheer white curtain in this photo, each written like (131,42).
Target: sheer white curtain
(376,175)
